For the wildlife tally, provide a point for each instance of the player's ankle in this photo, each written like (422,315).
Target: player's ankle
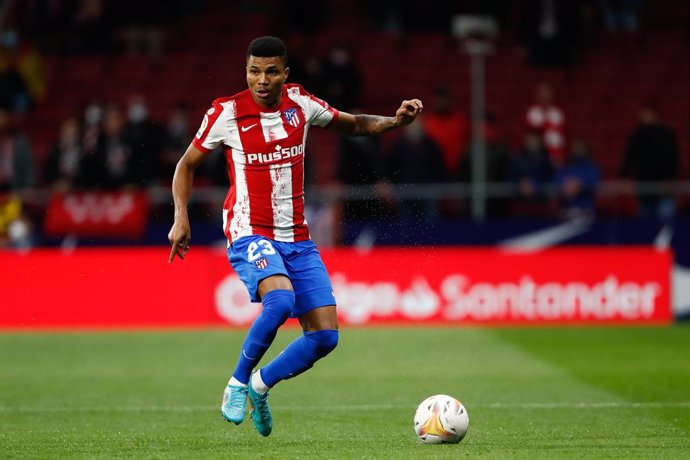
(257,383)
(236,383)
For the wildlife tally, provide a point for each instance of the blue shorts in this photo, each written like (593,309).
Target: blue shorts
(256,257)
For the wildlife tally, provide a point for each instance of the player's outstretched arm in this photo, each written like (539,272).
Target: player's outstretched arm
(363,125)
(180,233)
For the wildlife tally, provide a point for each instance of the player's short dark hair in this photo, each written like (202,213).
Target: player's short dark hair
(268,46)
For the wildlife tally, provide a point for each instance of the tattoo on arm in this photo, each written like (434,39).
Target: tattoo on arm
(373,124)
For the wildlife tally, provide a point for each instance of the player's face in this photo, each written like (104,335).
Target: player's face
(265,78)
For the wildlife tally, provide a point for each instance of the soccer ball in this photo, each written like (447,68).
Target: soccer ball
(441,419)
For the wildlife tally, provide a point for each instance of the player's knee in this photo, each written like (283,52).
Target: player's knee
(278,304)
(324,341)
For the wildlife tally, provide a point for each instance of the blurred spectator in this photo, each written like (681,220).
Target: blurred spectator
(547,118)
(90,31)
(306,16)
(62,170)
(621,15)
(22,81)
(577,181)
(15,228)
(360,163)
(384,15)
(145,139)
(497,163)
(651,155)
(414,158)
(550,31)
(16,177)
(177,137)
(16,159)
(139,26)
(110,166)
(342,79)
(92,126)
(47,21)
(531,170)
(447,126)
(305,69)
(400,17)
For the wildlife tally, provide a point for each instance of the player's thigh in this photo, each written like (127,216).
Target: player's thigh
(310,280)
(255,259)
(274,282)
(319,319)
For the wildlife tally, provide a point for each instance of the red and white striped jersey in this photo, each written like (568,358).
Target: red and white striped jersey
(264,149)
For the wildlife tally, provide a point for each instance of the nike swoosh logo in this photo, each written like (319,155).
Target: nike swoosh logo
(247,356)
(247,128)
(545,238)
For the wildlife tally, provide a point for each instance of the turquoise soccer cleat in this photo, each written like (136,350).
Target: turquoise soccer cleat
(261,413)
(234,404)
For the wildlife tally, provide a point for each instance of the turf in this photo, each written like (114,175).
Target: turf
(530,393)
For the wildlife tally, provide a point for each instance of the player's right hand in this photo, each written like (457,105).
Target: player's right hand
(179,236)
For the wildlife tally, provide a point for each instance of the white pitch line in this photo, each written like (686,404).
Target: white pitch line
(355,407)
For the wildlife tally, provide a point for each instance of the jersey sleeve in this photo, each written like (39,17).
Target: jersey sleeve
(317,111)
(211,133)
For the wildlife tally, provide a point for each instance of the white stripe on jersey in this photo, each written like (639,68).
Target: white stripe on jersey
(225,222)
(239,225)
(281,202)
(316,113)
(272,126)
(304,143)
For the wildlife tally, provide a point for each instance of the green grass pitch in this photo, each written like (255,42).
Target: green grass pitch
(530,393)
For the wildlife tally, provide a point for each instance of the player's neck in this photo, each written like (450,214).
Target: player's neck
(263,105)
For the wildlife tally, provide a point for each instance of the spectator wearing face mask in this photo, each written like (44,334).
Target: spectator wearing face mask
(92,126)
(531,170)
(577,181)
(62,169)
(145,139)
(16,177)
(111,165)
(342,79)
(176,139)
(16,161)
(414,158)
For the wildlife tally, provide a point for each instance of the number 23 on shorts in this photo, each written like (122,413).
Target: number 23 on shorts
(256,248)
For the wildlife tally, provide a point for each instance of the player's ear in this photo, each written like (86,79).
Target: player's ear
(287,72)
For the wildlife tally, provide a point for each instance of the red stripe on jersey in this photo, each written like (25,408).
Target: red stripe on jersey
(259,185)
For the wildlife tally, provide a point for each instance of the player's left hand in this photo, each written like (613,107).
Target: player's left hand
(408,111)
(179,237)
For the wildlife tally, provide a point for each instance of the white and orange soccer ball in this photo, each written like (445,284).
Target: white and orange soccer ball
(441,419)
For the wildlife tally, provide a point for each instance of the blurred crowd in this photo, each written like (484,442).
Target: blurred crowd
(107,145)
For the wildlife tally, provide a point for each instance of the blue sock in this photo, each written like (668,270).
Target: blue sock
(277,306)
(299,356)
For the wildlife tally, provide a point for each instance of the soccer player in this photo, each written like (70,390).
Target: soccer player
(263,131)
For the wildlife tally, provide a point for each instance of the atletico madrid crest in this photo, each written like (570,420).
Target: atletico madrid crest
(291,117)
(261,263)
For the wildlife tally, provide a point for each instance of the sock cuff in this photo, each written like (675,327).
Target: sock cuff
(322,332)
(325,340)
(278,293)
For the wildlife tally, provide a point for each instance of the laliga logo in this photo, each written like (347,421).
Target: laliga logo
(94,208)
